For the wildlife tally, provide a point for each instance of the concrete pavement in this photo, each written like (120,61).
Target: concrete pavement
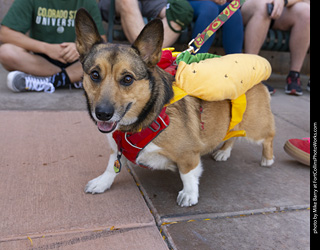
(50,149)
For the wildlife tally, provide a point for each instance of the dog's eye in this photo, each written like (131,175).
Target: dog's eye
(127,80)
(94,75)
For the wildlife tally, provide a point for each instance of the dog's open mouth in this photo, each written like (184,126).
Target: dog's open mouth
(106,127)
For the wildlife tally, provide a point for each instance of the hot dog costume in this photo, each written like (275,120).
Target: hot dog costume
(216,78)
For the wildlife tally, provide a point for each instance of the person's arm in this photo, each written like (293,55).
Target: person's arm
(54,51)
(220,2)
(94,11)
(293,2)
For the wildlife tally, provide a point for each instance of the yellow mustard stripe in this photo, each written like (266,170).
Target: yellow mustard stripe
(238,133)
(238,107)
(178,94)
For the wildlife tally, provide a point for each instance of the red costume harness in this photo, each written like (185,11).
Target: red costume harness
(130,144)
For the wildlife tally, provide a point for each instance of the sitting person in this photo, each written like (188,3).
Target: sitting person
(48,58)
(175,15)
(232,30)
(293,15)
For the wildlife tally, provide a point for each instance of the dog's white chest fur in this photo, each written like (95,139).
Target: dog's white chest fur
(151,156)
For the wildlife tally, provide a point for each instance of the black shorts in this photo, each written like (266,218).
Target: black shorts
(271,23)
(55,62)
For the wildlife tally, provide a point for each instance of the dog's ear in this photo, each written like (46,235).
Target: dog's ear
(87,33)
(149,42)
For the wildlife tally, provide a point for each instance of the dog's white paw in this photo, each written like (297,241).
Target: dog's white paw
(187,199)
(222,155)
(265,162)
(99,184)
(189,195)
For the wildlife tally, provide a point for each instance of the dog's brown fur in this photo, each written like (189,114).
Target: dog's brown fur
(183,142)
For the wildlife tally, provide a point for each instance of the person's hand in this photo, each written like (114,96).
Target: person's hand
(220,2)
(278,6)
(55,51)
(64,52)
(69,51)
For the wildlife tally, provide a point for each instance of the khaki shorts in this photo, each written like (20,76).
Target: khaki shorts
(149,8)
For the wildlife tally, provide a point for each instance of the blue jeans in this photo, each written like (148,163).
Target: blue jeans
(232,30)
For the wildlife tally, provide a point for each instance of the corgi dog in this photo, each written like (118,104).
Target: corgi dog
(128,93)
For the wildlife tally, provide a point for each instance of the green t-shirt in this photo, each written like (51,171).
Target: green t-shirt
(50,21)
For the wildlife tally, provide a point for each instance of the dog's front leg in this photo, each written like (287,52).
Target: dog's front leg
(104,181)
(189,195)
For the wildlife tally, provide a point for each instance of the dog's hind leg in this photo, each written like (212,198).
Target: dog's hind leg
(224,152)
(189,195)
(267,152)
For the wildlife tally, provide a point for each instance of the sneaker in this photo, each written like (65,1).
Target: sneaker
(78,85)
(19,82)
(270,89)
(293,86)
(299,150)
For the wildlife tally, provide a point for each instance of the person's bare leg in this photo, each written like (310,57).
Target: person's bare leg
(15,58)
(75,72)
(132,22)
(257,22)
(169,35)
(131,18)
(296,18)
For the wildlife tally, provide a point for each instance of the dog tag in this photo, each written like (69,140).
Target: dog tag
(117,163)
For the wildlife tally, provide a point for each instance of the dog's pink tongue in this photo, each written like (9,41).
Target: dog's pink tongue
(106,126)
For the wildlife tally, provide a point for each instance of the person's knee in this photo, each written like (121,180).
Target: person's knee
(302,11)
(10,56)
(255,8)
(208,9)
(297,15)
(7,53)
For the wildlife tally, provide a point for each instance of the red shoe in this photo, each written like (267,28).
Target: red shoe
(299,150)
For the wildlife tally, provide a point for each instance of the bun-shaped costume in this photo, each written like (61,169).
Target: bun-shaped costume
(216,78)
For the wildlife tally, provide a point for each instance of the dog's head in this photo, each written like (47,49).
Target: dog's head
(118,79)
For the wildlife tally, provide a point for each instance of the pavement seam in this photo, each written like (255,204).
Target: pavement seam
(288,121)
(168,221)
(236,214)
(90,235)
(109,230)
(152,209)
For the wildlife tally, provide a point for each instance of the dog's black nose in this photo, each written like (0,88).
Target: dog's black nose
(104,112)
